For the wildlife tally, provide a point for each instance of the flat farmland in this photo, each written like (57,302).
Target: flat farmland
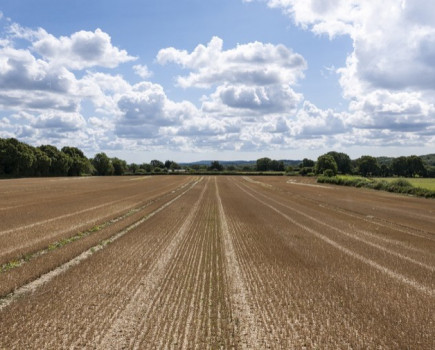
(180,262)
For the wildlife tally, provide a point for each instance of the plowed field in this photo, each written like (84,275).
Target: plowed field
(179,262)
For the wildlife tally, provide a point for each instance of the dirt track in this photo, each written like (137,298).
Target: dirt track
(220,262)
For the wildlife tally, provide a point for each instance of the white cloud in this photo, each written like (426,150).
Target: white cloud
(388,78)
(393,40)
(142,71)
(81,50)
(242,99)
(313,122)
(249,64)
(28,83)
(60,122)
(145,109)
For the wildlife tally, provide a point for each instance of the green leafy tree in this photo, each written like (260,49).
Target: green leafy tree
(307,163)
(16,158)
(102,164)
(216,166)
(147,167)
(79,163)
(385,170)
(175,166)
(60,162)
(344,164)
(157,164)
(263,164)
(326,162)
(133,168)
(119,166)
(42,165)
(416,166)
(399,166)
(276,165)
(367,166)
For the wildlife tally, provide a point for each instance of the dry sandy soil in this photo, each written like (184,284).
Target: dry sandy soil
(214,263)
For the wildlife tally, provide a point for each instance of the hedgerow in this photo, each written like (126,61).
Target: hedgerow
(396,186)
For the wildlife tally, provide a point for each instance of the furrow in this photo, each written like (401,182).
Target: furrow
(245,319)
(392,274)
(133,312)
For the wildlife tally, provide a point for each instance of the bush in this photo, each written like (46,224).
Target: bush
(397,186)
(306,170)
(328,173)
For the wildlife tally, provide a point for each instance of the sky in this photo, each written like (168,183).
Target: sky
(190,80)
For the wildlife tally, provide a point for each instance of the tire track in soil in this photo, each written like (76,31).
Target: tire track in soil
(398,246)
(64,216)
(381,222)
(394,255)
(265,281)
(52,233)
(366,241)
(306,295)
(121,333)
(244,318)
(34,285)
(392,274)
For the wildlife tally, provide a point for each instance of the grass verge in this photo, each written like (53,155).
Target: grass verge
(391,185)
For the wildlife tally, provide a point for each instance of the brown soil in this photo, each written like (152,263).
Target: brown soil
(232,262)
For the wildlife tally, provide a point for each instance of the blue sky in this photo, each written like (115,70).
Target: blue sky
(219,79)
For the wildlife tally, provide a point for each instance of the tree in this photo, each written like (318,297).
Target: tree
(326,162)
(399,166)
(16,158)
(60,162)
(263,164)
(344,164)
(41,167)
(416,166)
(276,165)
(157,164)
(216,166)
(133,167)
(147,167)
(119,166)
(307,163)
(175,166)
(103,164)
(79,163)
(385,170)
(169,164)
(367,166)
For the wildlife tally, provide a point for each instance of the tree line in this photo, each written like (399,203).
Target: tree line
(18,159)
(333,163)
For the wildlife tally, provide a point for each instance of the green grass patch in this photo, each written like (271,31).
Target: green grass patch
(428,184)
(396,185)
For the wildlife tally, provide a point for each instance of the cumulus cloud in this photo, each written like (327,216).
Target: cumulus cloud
(81,50)
(313,122)
(393,40)
(250,100)
(60,122)
(142,71)
(145,109)
(388,77)
(250,64)
(39,88)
